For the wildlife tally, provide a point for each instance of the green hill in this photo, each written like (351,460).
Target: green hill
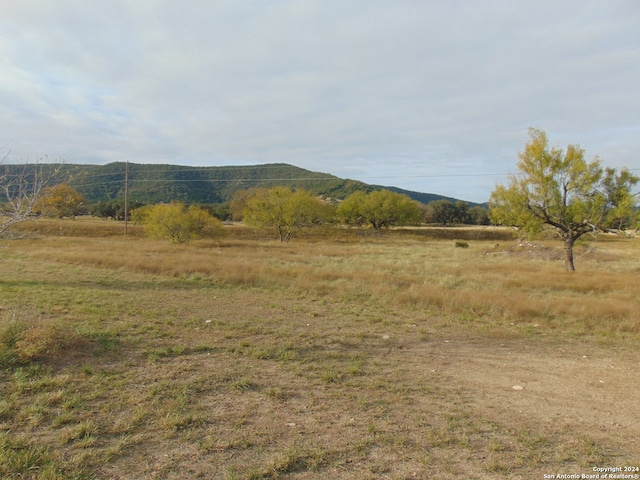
(164,183)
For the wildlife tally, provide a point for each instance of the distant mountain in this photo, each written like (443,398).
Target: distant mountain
(423,197)
(164,183)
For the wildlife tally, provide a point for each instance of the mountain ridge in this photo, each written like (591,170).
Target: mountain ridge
(155,183)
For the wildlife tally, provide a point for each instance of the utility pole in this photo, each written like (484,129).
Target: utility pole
(126,198)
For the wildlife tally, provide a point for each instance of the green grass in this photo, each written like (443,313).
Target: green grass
(346,358)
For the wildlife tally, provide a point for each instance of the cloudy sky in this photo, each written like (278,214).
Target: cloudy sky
(428,95)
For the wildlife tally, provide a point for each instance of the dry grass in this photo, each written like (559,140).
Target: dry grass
(355,356)
(508,285)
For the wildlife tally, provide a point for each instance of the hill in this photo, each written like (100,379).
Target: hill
(164,183)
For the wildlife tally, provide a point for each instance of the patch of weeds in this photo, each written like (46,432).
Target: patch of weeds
(276,393)
(331,375)
(287,461)
(244,385)
(157,353)
(63,418)
(592,453)
(535,447)
(128,422)
(9,335)
(88,370)
(108,341)
(264,353)
(317,457)
(38,341)
(26,339)
(180,421)
(495,445)
(287,352)
(233,474)
(7,356)
(495,463)
(356,366)
(122,444)
(73,402)
(83,432)
(246,348)
(33,414)
(203,349)
(7,409)
(33,378)
(52,398)
(19,458)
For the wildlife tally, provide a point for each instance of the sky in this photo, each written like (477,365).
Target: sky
(425,95)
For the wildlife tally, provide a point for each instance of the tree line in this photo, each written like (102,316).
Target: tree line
(286,210)
(555,190)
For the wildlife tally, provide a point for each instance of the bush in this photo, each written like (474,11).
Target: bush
(461,244)
(179,224)
(25,338)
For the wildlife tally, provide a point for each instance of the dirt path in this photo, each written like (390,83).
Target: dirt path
(588,390)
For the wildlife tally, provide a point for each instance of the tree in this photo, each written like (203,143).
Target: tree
(22,188)
(559,190)
(61,201)
(478,215)
(219,210)
(624,215)
(380,208)
(446,212)
(113,209)
(286,210)
(179,223)
(238,202)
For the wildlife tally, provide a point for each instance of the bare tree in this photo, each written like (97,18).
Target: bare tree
(22,187)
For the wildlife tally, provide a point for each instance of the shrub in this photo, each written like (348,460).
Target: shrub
(25,338)
(179,224)
(37,341)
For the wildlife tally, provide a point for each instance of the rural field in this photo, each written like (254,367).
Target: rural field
(344,354)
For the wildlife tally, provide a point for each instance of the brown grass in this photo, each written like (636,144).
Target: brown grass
(350,356)
(503,283)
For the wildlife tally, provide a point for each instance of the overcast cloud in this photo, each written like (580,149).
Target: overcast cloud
(420,94)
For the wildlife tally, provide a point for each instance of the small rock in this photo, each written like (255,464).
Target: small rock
(518,387)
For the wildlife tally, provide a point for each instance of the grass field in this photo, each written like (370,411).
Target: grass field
(343,354)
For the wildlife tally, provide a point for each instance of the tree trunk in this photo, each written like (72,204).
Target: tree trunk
(568,254)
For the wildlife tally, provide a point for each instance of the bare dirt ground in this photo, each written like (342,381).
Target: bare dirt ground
(583,396)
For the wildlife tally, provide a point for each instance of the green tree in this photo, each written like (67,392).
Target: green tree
(219,210)
(238,203)
(559,190)
(61,201)
(441,211)
(624,214)
(179,223)
(286,210)
(462,213)
(478,215)
(113,209)
(380,208)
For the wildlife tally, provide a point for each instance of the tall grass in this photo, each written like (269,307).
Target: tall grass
(501,285)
